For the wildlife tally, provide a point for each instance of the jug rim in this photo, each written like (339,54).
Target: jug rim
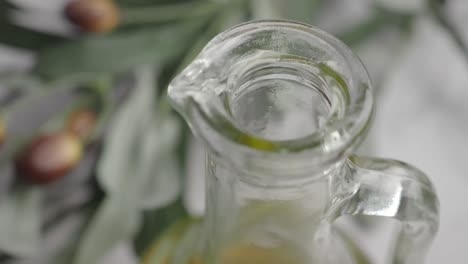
(349,128)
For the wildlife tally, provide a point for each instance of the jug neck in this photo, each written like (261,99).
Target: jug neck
(246,216)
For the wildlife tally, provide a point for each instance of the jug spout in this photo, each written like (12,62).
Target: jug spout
(275,87)
(192,85)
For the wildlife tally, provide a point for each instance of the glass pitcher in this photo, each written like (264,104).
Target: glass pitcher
(281,106)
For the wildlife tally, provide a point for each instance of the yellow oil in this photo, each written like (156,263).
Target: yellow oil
(243,251)
(253,254)
(236,253)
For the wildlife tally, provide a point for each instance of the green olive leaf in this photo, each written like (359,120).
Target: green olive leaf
(382,19)
(123,144)
(6,7)
(18,36)
(116,220)
(158,166)
(167,13)
(137,170)
(21,37)
(441,16)
(140,151)
(299,10)
(165,246)
(20,221)
(148,2)
(155,222)
(122,50)
(303,10)
(59,248)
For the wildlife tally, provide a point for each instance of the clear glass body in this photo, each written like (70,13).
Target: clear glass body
(256,224)
(281,106)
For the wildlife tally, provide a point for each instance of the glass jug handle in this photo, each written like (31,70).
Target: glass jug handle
(390,188)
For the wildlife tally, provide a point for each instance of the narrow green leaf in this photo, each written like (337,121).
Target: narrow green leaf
(167,13)
(117,219)
(61,249)
(163,248)
(141,149)
(155,222)
(299,10)
(148,2)
(138,162)
(303,10)
(135,2)
(123,145)
(380,20)
(120,51)
(6,7)
(436,8)
(20,221)
(20,81)
(184,253)
(20,37)
(7,4)
(158,167)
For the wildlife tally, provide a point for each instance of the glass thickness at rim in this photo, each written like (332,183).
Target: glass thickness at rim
(348,128)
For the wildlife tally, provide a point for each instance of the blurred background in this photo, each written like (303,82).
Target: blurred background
(94,164)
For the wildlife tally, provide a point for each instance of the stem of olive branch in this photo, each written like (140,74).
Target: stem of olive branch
(102,88)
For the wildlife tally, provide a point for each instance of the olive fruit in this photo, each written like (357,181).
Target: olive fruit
(93,15)
(81,123)
(49,157)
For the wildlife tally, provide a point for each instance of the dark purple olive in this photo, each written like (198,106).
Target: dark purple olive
(93,15)
(49,157)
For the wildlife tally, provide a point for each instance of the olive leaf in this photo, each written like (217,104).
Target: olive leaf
(300,10)
(382,19)
(163,248)
(122,145)
(437,10)
(20,221)
(123,50)
(58,248)
(141,147)
(18,36)
(137,170)
(168,12)
(303,10)
(21,37)
(158,166)
(5,8)
(147,2)
(155,222)
(116,219)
